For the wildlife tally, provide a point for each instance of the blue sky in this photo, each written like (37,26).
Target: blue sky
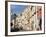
(17,9)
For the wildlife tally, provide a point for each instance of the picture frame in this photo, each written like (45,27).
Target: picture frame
(10,7)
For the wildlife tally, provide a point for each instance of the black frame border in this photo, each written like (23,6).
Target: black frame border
(6,18)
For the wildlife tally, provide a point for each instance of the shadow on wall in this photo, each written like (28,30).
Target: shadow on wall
(9,36)
(11,0)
